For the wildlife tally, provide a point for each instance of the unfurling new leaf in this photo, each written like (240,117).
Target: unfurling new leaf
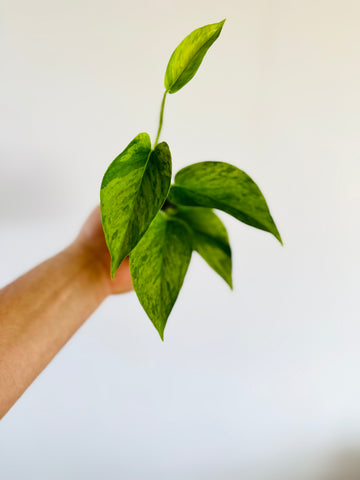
(133,190)
(158,265)
(188,55)
(224,187)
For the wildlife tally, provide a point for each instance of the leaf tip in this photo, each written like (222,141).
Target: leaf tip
(278,237)
(161,333)
(274,231)
(113,268)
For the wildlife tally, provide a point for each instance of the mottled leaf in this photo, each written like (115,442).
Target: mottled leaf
(158,265)
(225,187)
(210,239)
(133,190)
(188,55)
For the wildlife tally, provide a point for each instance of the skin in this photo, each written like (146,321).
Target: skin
(40,311)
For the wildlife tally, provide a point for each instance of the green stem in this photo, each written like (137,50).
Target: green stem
(161,118)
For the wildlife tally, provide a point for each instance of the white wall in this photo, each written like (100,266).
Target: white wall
(250,383)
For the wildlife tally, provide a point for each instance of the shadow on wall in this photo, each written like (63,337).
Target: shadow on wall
(345,466)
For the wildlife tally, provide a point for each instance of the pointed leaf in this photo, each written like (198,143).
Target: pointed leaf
(187,57)
(210,239)
(225,187)
(133,190)
(158,265)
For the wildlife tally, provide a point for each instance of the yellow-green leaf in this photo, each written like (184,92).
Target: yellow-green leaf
(133,190)
(158,265)
(225,187)
(210,238)
(188,55)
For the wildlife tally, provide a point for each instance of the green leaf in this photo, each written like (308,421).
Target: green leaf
(188,55)
(133,190)
(225,187)
(210,239)
(158,265)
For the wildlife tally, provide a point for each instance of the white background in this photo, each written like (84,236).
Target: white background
(251,384)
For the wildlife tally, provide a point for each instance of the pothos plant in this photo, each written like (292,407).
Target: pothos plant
(158,224)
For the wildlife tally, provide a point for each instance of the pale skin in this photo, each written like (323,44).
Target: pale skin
(40,311)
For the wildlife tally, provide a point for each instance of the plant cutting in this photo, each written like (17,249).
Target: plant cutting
(159,224)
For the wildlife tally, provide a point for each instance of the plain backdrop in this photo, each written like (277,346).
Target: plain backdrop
(251,384)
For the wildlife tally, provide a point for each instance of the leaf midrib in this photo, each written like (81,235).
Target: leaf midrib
(137,193)
(219,203)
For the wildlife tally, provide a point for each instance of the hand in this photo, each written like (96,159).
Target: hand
(43,308)
(91,240)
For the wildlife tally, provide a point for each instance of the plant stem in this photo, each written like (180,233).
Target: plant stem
(161,118)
